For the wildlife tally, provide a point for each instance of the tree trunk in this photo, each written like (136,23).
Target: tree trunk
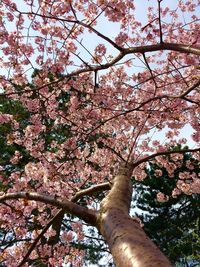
(127,241)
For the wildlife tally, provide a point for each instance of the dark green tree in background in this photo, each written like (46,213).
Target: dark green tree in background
(174,225)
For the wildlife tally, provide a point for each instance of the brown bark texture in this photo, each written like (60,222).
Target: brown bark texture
(128,243)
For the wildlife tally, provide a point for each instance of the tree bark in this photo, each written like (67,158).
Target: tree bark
(126,239)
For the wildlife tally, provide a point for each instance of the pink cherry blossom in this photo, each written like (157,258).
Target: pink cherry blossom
(162,197)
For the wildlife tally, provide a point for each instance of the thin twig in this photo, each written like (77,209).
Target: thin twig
(150,70)
(159,21)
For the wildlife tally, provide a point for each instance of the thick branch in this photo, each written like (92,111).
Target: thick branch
(182,48)
(57,219)
(89,216)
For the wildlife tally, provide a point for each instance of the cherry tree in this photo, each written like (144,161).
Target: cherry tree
(102,90)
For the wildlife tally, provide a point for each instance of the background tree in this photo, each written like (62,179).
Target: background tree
(88,120)
(179,235)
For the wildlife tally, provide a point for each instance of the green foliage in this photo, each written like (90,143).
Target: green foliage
(8,148)
(173,225)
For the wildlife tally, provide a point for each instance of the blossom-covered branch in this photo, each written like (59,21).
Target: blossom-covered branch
(163,153)
(125,51)
(85,214)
